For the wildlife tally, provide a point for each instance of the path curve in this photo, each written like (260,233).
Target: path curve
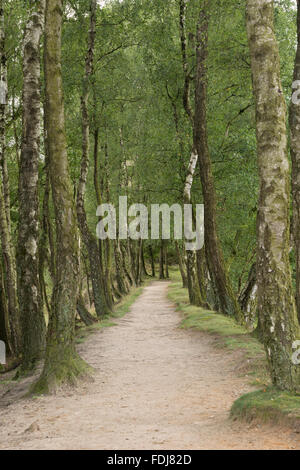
(156,387)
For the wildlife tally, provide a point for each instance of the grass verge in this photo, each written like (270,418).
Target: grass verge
(226,332)
(267,405)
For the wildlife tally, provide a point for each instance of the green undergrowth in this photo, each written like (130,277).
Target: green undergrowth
(268,405)
(120,310)
(226,332)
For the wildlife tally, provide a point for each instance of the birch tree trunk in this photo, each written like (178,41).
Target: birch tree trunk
(161,261)
(4,317)
(295,154)
(88,238)
(62,363)
(152,261)
(29,288)
(10,277)
(248,298)
(181,265)
(226,300)
(3,110)
(276,307)
(192,281)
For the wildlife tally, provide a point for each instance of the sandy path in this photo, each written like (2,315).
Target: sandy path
(156,387)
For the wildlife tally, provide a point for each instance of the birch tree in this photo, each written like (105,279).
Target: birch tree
(89,239)
(62,363)
(276,306)
(8,254)
(225,299)
(29,290)
(295,154)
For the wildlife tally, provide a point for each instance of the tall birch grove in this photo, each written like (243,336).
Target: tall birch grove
(120,121)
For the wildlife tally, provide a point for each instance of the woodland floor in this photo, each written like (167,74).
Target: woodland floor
(156,386)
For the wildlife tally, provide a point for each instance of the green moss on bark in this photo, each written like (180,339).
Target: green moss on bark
(63,367)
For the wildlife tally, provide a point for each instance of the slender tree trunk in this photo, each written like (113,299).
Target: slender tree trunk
(132,256)
(276,307)
(138,263)
(184,54)
(226,300)
(181,265)
(91,301)
(152,261)
(16,136)
(62,363)
(248,298)
(108,245)
(202,276)
(5,234)
(29,287)
(108,273)
(295,154)
(3,111)
(4,317)
(120,274)
(10,283)
(47,229)
(97,184)
(144,269)
(125,256)
(179,136)
(161,261)
(166,260)
(192,282)
(43,243)
(83,312)
(88,238)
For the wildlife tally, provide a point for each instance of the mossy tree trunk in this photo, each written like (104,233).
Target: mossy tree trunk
(3,113)
(62,363)
(8,255)
(85,316)
(248,298)
(167,261)
(46,225)
(226,300)
(161,261)
(295,154)
(10,282)
(120,275)
(152,261)
(181,264)
(43,242)
(192,281)
(202,276)
(4,323)
(89,238)
(107,243)
(138,263)
(276,306)
(126,262)
(143,261)
(29,288)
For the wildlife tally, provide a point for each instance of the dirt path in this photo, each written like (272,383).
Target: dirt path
(156,387)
